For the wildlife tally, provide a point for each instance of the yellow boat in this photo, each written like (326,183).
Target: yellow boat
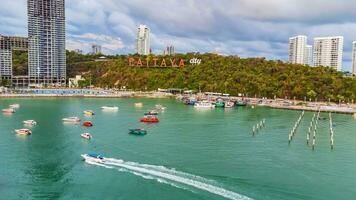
(88,112)
(354,115)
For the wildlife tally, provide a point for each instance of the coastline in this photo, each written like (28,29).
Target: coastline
(271,103)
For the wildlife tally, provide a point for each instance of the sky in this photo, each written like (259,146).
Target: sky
(248,28)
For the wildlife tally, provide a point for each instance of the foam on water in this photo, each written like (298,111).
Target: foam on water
(171,177)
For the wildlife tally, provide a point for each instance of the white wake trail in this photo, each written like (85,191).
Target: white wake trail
(163,175)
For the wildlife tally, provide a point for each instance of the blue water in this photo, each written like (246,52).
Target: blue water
(190,154)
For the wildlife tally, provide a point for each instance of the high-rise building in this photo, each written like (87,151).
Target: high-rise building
(309,55)
(169,50)
(297,49)
(354,58)
(328,51)
(7,45)
(46,36)
(96,49)
(143,40)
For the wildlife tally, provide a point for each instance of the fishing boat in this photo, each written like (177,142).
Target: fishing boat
(110,108)
(151,112)
(204,105)
(30,122)
(23,132)
(71,119)
(93,157)
(8,110)
(14,106)
(87,124)
(139,105)
(241,103)
(229,104)
(86,136)
(88,112)
(137,131)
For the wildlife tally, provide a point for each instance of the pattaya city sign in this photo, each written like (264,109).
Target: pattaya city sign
(161,62)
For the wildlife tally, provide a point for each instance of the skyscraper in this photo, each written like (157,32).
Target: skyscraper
(309,55)
(328,52)
(297,49)
(143,40)
(46,36)
(96,49)
(354,58)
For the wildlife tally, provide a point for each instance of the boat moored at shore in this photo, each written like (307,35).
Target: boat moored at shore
(204,105)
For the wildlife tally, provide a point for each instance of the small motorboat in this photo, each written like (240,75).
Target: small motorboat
(110,108)
(229,104)
(86,136)
(71,119)
(204,105)
(88,112)
(139,105)
(30,122)
(241,103)
(8,110)
(23,132)
(137,131)
(87,124)
(149,119)
(152,112)
(14,106)
(93,157)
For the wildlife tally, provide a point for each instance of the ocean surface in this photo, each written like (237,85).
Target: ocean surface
(190,154)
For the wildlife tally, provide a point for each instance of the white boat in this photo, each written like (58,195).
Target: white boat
(110,108)
(14,106)
(86,136)
(71,119)
(23,132)
(30,122)
(229,104)
(8,110)
(204,104)
(92,157)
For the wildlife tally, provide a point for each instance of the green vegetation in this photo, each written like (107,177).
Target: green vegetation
(19,61)
(227,74)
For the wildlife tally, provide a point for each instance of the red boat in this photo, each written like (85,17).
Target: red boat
(87,123)
(149,119)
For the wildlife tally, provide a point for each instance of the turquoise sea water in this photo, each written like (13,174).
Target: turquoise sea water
(190,154)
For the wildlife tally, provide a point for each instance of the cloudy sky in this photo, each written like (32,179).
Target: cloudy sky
(249,28)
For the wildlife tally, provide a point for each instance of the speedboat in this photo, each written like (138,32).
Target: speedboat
(204,104)
(14,106)
(8,110)
(71,119)
(138,131)
(151,112)
(23,132)
(88,112)
(93,157)
(86,136)
(87,123)
(30,122)
(139,105)
(149,119)
(110,108)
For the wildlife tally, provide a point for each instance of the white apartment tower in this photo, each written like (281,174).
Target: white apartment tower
(354,58)
(328,51)
(297,49)
(143,40)
(309,55)
(46,38)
